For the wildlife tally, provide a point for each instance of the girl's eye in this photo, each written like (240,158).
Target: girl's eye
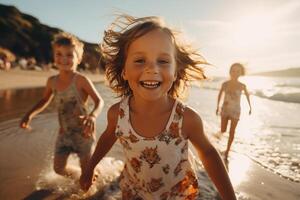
(163,62)
(139,61)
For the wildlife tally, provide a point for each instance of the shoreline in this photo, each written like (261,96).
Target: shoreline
(21,79)
(250,180)
(255,182)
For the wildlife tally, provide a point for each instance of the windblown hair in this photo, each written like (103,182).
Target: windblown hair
(241,66)
(127,29)
(67,39)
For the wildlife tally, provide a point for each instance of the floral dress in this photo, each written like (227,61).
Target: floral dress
(158,167)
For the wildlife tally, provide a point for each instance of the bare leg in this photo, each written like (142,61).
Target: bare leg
(60,162)
(233,125)
(224,122)
(83,163)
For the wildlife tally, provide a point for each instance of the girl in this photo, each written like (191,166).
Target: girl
(70,91)
(148,69)
(231,105)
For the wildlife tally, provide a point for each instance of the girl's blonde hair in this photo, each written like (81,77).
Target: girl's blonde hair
(127,29)
(67,39)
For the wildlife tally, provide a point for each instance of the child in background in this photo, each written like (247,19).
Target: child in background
(147,67)
(70,91)
(231,107)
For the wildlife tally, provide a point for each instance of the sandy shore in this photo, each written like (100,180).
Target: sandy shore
(250,180)
(16,78)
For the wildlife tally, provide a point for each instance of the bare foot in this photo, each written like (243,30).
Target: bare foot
(218,135)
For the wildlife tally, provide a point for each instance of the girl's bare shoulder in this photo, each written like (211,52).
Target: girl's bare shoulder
(225,83)
(191,121)
(242,85)
(114,109)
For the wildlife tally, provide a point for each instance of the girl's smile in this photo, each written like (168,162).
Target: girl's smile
(150,84)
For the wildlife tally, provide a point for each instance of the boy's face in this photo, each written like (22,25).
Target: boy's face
(65,57)
(150,65)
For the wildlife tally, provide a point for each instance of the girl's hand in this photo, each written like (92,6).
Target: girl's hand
(217,111)
(89,123)
(25,122)
(86,180)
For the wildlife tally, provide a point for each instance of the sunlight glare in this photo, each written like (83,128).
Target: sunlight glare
(257,82)
(253,31)
(238,168)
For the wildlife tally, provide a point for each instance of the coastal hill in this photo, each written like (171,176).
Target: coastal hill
(25,36)
(291,72)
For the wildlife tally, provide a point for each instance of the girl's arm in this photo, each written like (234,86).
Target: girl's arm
(248,98)
(193,128)
(219,98)
(104,144)
(40,106)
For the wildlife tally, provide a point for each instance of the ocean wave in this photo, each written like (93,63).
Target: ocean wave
(286,97)
(284,85)
(274,94)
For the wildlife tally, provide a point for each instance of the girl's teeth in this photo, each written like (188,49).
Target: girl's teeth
(150,84)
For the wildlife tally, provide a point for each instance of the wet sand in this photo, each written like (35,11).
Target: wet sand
(18,171)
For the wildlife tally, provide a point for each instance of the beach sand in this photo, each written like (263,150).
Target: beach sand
(250,180)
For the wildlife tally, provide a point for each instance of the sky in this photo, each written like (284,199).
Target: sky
(262,34)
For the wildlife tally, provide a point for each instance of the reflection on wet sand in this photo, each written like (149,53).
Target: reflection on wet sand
(238,168)
(14,103)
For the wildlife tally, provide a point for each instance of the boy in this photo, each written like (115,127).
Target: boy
(70,91)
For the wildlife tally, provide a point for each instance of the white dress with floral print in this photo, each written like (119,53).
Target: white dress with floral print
(158,167)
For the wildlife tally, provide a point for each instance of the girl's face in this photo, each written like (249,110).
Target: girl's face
(65,58)
(235,72)
(150,65)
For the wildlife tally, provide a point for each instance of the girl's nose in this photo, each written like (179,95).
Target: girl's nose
(152,67)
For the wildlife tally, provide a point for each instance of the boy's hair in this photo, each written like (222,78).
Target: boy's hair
(127,29)
(67,39)
(241,66)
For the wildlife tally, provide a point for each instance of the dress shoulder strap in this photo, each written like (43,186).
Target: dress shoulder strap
(123,117)
(124,109)
(177,118)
